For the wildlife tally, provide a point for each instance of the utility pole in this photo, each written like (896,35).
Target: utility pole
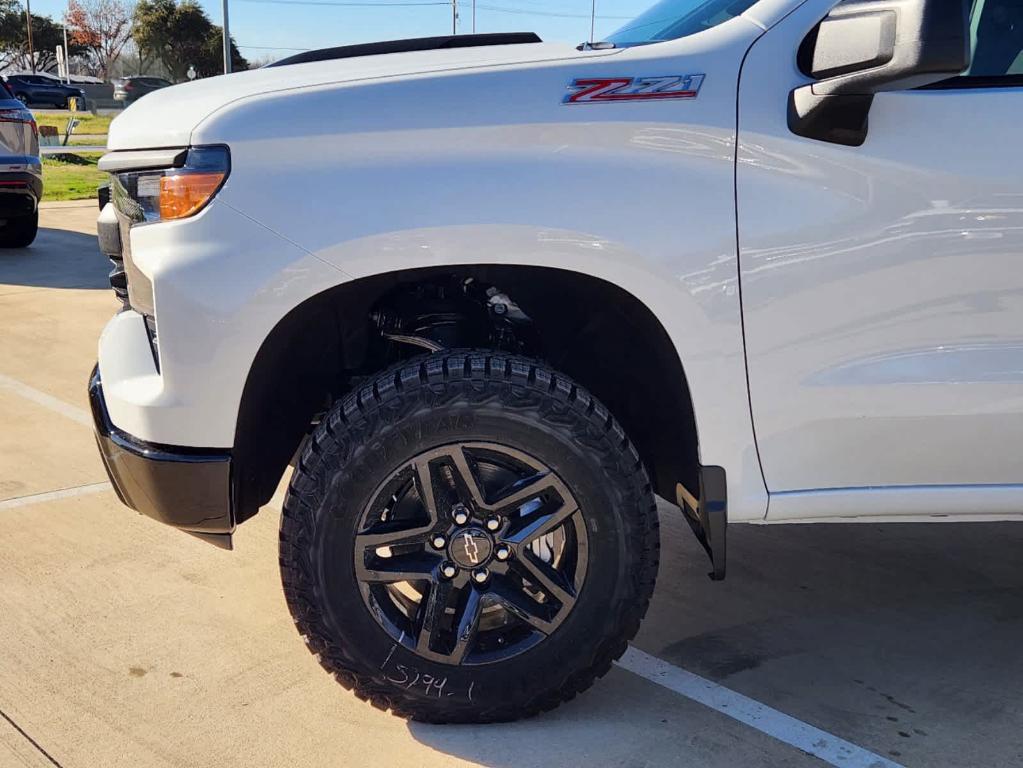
(454,16)
(227,43)
(67,58)
(28,24)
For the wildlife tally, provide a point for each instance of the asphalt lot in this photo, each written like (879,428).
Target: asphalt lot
(126,643)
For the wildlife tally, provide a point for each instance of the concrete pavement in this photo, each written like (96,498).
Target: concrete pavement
(126,643)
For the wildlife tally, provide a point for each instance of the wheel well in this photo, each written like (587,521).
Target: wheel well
(591,330)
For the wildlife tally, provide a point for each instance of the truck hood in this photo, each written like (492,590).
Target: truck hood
(167,117)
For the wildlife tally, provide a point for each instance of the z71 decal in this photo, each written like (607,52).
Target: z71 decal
(601,90)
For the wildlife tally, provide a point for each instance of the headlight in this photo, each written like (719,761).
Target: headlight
(173,193)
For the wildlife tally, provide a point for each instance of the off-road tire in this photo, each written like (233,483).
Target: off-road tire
(433,401)
(20,231)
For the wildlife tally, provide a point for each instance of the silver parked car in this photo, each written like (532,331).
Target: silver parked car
(129,89)
(21,172)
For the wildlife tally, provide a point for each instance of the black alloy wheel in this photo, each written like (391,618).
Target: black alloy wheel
(471,553)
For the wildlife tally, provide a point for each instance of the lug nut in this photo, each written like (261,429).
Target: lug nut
(460,515)
(439,542)
(503,552)
(481,575)
(448,571)
(493,524)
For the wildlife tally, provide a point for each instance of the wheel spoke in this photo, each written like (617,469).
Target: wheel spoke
(547,578)
(539,523)
(468,487)
(424,486)
(397,534)
(519,604)
(431,616)
(389,570)
(525,490)
(467,626)
(385,535)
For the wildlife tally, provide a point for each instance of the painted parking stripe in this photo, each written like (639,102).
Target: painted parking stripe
(47,401)
(778,725)
(63,493)
(72,412)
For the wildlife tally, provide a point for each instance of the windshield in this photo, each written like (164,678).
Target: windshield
(672,19)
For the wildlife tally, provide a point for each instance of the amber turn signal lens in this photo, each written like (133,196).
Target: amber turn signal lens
(182,194)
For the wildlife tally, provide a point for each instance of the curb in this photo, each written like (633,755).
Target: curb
(91,202)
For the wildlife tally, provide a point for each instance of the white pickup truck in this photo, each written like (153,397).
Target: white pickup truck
(763,259)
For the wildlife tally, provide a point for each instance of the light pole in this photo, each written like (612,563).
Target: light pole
(474,17)
(454,16)
(227,43)
(28,24)
(67,58)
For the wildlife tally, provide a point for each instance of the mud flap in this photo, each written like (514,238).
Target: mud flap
(707,515)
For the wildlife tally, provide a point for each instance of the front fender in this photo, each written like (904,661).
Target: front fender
(490,167)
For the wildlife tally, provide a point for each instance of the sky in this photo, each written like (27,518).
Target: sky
(277,28)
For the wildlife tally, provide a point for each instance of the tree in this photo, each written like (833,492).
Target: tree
(12,30)
(150,31)
(180,36)
(46,36)
(102,27)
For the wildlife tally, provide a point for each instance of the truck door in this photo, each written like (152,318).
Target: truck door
(882,286)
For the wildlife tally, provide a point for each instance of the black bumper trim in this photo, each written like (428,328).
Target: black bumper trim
(20,193)
(187,488)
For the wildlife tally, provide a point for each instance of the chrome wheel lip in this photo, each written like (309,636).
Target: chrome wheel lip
(534,596)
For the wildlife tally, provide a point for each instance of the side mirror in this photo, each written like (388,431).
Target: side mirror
(864,47)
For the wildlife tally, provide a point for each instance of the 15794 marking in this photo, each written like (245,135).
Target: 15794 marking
(410,677)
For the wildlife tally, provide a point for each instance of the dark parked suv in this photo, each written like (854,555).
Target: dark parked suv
(42,90)
(21,172)
(128,89)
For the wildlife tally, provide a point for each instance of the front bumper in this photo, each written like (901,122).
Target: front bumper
(187,488)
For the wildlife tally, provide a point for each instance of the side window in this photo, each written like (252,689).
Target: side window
(996,39)
(996,32)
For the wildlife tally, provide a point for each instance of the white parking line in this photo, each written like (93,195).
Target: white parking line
(47,401)
(72,412)
(64,493)
(761,717)
(821,744)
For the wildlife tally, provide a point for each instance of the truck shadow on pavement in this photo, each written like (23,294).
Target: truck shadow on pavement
(903,639)
(57,259)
